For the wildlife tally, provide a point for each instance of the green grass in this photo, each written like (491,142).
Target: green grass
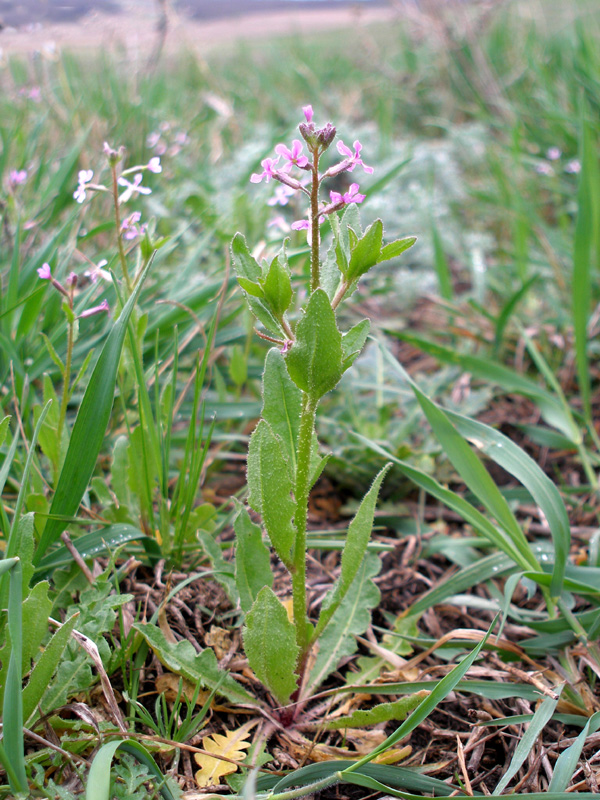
(458,128)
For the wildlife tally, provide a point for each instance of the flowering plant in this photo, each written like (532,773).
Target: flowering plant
(284,462)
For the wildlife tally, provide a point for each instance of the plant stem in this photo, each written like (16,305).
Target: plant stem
(66,381)
(315,279)
(115,189)
(305,437)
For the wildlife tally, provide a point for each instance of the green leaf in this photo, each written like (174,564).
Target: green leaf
(251,288)
(245,264)
(515,461)
(394,249)
(99,778)
(314,361)
(89,428)
(248,269)
(278,287)
(542,716)
(366,252)
(45,667)
(341,243)
(252,560)
(359,533)
(270,489)
(491,371)
(202,668)
(474,474)
(566,763)
(384,712)
(3,429)
(424,709)
(351,619)
(353,342)
(12,707)
(282,406)
(270,644)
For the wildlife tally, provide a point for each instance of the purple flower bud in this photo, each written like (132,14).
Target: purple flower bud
(307,131)
(326,135)
(308,112)
(90,312)
(71,279)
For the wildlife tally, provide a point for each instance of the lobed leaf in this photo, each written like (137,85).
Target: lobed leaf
(383,712)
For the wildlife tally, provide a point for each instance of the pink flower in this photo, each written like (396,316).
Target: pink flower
(90,312)
(130,228)
(154,165)
(308,112)
(153,139)
(573,167)
(45,272)
(132,188)
(544,168)
(352,159)
(301,225)
(554,153)
(16,177)
(268,165)
(351,196)
(85,176)
(293,156)
(96,272)
(282,195)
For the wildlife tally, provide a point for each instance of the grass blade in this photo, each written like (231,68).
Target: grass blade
(98,783)
(541,717)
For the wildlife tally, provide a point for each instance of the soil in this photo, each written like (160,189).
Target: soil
(200,25)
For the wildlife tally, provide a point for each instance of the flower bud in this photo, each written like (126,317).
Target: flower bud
(113,156)
(326,135)
(308,133)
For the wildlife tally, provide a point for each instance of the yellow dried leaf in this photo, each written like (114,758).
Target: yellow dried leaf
(230,745)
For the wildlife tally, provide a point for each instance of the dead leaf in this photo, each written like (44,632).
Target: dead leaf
(230,745)
(168,684)
(220,641)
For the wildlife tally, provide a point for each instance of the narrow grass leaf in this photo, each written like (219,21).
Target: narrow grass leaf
(99,777)
(540,719)
(444,687)
(521,466)
(566,763)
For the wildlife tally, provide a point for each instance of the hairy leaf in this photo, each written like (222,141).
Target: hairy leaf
(366,252)
(394,249)
(252,561)
(384,712)
(352,618)
(270,488)
(353,342)
(182,659)
(270,644)
(315,360)
(278,287)
(359,533)
(282,406)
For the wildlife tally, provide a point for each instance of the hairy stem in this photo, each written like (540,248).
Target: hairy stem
(315,279)
(305,436)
